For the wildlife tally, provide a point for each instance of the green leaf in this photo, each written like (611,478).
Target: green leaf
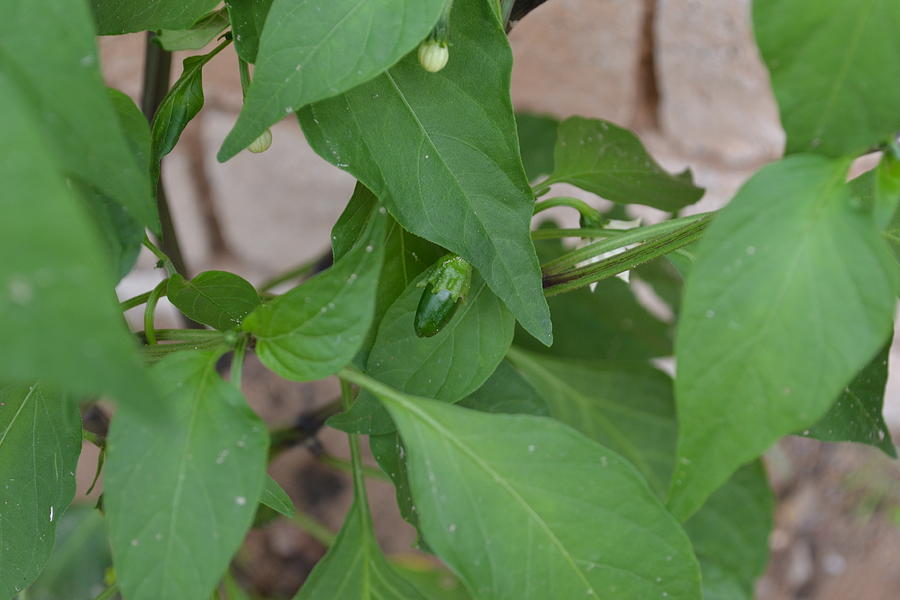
(730,534)
(121,234)
(47,50)
(440,150)
(606,323)
(791,294)
(835,69)
(354,568)
(125,16)
(317,328)
(627,408)
(247,20)
(199,35)
(215,298)
(506,391)
(631,410)
(856,416)
(665,278)
(433,582)
(610,161)
(311,51)
(498,490)
(537,138)
(405,256)
(181,104)
(80,558)
(274,496)
(59,318)
(180,492)
(448,366)
(40,440)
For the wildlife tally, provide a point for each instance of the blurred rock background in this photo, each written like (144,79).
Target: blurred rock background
(686,76)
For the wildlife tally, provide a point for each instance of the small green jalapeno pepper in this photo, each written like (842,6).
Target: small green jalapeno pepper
(445,287)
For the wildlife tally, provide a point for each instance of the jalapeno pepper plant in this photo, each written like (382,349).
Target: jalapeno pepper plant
(505,379)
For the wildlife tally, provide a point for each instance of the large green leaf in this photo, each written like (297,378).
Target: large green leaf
(317,328)
(610,161)
(631,410)
(120,232)
(216,298)
(355,568)
(440,150)
(180,492)
(47,49)
(40,440)
(198,36)
(448,366)
(125,16)
(604,323)
(312,50)
(537,138)
(856,416)
(247,20)
(181,104)
(498,490)
(274,496)
(626,408)
(506,391)
(405,256)
(730,534)
(835,68)
(59,318)
(791,294)
(80,558)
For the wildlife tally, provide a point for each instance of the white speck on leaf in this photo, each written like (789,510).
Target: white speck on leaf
(240,500)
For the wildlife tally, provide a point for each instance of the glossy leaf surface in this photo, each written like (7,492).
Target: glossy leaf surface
(198,36)
(40,441)
(610,161)
(180,492)
(440,150)
(57,309)
(499,490)
(216,298)
(355,568)
(247,20)
(317,328)
(125,16)
(835,69)
(312,50)
(448,366)
(47,49)
(791,294)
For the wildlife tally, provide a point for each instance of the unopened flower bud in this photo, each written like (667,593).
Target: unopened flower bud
(433,55)
(262,143)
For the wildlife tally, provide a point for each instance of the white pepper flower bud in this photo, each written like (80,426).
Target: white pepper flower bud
(262,143)
(433,55)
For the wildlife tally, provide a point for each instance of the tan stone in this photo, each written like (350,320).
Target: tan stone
(715,96)
(579,57)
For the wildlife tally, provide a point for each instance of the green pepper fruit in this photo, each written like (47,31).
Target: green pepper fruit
(445,287)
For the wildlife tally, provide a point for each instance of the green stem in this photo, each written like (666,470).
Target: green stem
(108,593)
(618,239)
(100,460)
(580,277)
(244,69)
(552,233)
(585,209)
(185,335)
(93,438)
(167,263)
(359,480)
(314,528)
(133,302)
(150,311)
(347,467)
(158,351)
(351,375)
(237,361)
